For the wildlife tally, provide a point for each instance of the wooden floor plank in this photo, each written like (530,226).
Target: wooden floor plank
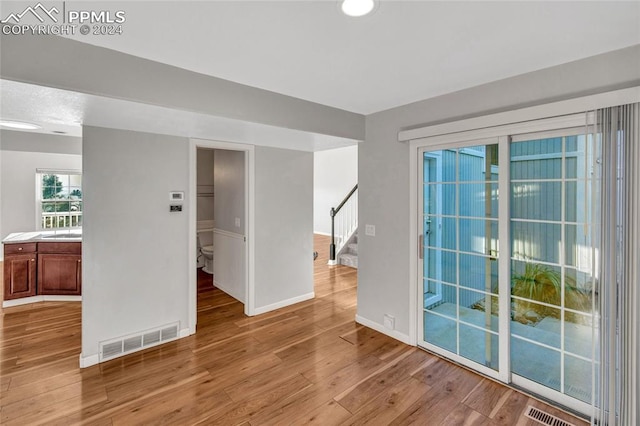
(390,374)
(463,415)
(512,410)
(309,363)
(433,406)
(330,413)
(487,398)
(326,386)
(187,404)
(389,403)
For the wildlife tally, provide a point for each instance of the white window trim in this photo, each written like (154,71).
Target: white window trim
(38,194)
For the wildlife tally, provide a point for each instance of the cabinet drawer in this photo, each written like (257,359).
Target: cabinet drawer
(19,248)
(60,248)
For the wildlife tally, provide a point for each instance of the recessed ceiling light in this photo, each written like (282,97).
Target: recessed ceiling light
(357,7)
(18,125)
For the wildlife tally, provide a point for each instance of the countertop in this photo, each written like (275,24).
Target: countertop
(74,235)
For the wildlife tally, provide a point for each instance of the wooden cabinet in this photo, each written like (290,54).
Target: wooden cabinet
(43,268)
(60,269)
(19,270)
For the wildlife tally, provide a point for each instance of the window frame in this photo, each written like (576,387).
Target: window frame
(39,200)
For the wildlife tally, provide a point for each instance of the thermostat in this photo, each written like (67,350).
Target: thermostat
(176,196)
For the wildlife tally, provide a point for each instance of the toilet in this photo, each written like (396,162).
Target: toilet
(205,249)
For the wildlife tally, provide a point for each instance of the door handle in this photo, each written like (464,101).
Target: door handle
(421,246)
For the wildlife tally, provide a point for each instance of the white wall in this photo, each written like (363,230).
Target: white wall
(22,154)
(204,179)
(383,166)
(335,172)
(283,227)
(135,260)
(229,189)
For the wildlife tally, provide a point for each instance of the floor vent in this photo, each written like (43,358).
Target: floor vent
(127,344)
(545,418)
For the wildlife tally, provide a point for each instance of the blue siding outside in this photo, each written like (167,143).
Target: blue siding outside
(467,199)
(535,196)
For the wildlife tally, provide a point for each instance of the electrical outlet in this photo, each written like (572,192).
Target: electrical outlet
(175,208)
(237,222)
(370,230)
(389,322)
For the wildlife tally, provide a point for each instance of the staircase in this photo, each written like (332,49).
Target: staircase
(349,257)
(343,249)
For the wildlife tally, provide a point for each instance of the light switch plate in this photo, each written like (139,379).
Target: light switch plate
(370,230)
(176,196)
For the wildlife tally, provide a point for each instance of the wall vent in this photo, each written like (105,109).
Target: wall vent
(110,350)
(545,418)
(151,338)
(114,348)
(132,343)
(169,333)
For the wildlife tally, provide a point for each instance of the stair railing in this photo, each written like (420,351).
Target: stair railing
(344,222)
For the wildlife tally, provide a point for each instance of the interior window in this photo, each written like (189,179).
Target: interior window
(59,200)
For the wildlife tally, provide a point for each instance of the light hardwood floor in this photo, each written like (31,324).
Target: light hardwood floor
(308,363)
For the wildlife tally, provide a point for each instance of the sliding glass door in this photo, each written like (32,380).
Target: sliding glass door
(459,252)
(554,199)
(507,255)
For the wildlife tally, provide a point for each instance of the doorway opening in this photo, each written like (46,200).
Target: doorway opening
(221,221)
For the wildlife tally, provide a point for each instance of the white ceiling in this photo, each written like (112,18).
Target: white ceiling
(404,52)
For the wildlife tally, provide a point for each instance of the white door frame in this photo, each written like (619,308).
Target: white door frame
(249,220)
(437,159)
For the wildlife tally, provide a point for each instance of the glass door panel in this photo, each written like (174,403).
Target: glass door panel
(553,206)
(459,249)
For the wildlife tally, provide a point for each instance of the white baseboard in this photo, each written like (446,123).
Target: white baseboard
(62,298)
(89,360)
(283,303)
(322,233)
(185,332)
(22,301)
(404,338)
(36,299)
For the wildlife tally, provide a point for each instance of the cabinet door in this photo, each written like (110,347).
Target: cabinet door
(59,274)
(19,276)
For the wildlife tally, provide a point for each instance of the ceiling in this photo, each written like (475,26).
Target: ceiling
(404,52)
